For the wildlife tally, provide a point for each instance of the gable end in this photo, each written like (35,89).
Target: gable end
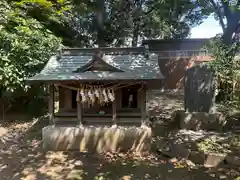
(97,64)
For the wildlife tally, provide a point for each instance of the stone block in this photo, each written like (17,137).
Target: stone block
(214,159)
(197,157)
(97,139)
(209,160)
(199,89)
(233,160)
(200,120)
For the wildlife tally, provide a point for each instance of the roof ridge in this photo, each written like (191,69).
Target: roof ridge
(105,50)
(191,40)
(98,59)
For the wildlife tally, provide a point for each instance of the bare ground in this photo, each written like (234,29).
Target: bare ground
(163,104)
(21,157)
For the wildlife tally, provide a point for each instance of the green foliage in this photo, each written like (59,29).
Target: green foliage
(226,12)
(122,20)
(225,47)
(226,65)
(30,30)
(25,47)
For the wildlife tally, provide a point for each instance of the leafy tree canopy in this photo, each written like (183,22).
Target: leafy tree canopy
(114,22)
(25,45)
(227,13)
(226,47)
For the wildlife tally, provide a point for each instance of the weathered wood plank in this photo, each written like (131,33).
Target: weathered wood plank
(51,104)
(70,115)
(143,104)
(61,98)
(79,112)
(101,119)
(114,112)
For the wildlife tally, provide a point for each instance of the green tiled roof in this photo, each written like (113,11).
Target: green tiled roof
(134,66)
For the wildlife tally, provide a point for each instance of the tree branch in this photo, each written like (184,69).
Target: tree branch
(150,10)
(226,9)
(218,12)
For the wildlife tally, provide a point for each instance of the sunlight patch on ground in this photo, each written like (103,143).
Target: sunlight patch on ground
(3,131)
(24,159)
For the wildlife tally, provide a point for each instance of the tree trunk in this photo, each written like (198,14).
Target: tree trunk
(137,11)
(100,22)
(233,21)
(236,37)
(229,32)
(135,35)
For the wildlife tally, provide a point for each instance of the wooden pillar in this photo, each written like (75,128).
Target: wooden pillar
(51,104)
(114,111)
(61,98)
(79,112)
(143,105)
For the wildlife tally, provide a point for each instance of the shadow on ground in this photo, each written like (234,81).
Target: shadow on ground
(25,159)
(22,158)
(38,165)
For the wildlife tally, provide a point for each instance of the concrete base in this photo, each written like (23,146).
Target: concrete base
(97,139)
(208,160)
(200,120)
(214,159)
(233,160)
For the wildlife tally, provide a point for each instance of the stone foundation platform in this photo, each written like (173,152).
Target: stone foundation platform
(200,120)
(97,139)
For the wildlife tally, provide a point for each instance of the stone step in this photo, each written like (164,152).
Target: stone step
(237,131)
(236,127)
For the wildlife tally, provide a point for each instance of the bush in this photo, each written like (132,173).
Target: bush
(25,47)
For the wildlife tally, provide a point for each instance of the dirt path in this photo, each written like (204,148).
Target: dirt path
(25,160)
